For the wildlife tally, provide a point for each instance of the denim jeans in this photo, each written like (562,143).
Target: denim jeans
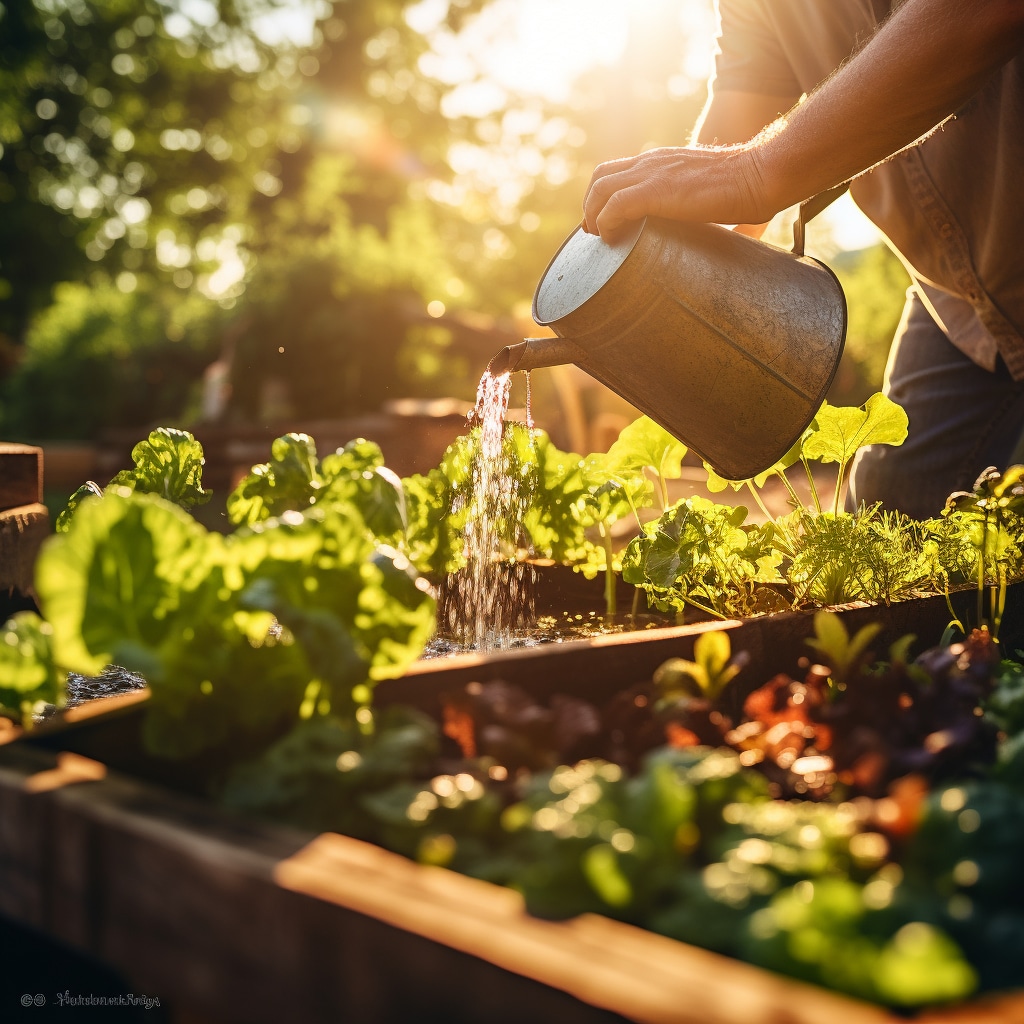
(963,419)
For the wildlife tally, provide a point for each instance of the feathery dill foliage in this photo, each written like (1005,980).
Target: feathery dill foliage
(869,555)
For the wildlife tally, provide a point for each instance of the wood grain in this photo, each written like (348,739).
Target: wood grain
(245,921)
(22,532)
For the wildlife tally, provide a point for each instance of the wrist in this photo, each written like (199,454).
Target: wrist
(785,174)
(760,194)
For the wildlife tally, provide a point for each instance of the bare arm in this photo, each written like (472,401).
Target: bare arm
(734,117)
(920,67)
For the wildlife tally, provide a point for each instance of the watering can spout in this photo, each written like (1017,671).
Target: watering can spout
(532,353)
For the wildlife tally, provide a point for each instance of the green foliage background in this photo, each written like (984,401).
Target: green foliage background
(180,186)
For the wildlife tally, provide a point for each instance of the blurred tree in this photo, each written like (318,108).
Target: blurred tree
(165,145)
(154,136)
(309,166)
(98,357)
(132,133)
(335,311)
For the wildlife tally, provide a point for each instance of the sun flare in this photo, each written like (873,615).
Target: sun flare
(541,47)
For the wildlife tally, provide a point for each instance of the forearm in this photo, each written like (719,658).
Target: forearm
(921,66)
(924,63)
(732,116)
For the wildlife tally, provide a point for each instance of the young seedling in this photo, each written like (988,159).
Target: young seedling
(711,670)
(992,514)
(618,483)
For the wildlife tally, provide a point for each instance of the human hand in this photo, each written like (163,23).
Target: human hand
(715,184)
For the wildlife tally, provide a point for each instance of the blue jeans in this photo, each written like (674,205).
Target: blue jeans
(963,419)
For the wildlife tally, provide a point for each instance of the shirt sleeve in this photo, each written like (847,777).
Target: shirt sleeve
(749,56)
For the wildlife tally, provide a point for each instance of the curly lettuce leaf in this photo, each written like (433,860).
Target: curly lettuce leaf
(289,481)
(357,474)
(296,480)
(117,577)
(168,463)
(90,489)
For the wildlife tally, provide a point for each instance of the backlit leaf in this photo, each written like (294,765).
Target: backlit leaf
(842,430)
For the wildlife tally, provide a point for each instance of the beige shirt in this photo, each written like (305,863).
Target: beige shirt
(951,206)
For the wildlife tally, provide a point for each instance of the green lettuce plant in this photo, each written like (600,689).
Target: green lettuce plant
(295,479)
(169,463)
(29,677)
(294,615)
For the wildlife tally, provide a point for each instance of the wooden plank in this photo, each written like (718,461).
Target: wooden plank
(599,667)
(254,922)
(183,899)
(21,475)
(22,532)
(226,916)
(640,975)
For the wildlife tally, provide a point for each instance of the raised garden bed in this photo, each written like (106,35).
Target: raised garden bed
(299,621)
(592,669)
(247,922)
(242,920)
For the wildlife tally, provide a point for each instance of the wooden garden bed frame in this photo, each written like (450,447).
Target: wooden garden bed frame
(244,921)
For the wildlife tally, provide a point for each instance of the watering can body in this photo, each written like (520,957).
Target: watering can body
(728,342)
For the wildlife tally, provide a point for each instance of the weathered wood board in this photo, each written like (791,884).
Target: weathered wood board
(22,532)
(243,921)
(24,521)
(249,922)
(599,667)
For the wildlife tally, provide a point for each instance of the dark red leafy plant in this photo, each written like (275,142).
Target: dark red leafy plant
(851,731)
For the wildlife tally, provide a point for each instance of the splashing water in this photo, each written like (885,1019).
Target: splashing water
(490,602)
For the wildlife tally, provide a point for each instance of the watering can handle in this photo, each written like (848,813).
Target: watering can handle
(809,209)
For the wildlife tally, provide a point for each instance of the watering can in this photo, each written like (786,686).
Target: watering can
(728,342)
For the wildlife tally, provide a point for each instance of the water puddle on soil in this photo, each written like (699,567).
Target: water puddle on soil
(551,629)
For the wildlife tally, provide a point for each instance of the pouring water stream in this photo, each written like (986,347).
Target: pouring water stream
(491,599)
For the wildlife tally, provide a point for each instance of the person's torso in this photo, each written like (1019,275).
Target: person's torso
(952,204)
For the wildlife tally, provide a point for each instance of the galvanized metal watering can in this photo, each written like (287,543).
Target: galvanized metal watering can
(728,342)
